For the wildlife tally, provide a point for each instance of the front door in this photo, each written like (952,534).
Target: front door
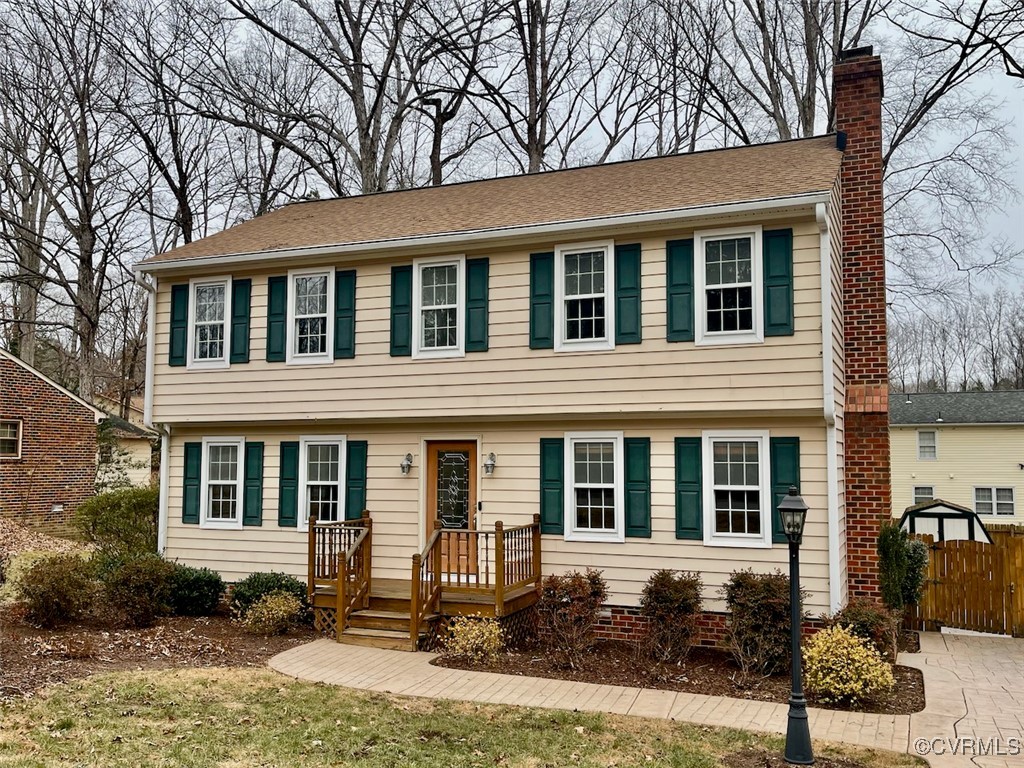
(451,498)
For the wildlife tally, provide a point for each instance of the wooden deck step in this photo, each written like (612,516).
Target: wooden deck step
(376,619)
(389,639)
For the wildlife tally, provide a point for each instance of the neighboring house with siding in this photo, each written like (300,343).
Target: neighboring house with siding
(962,447)
(645,354)
(48,447)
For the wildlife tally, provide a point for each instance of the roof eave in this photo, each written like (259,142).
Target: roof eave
(466,237)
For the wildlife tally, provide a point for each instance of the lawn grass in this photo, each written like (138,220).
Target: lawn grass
(232,717)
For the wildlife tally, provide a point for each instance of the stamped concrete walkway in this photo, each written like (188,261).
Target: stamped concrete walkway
(974,688)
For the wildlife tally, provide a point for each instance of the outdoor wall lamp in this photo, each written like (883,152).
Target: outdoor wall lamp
(489,464)
(406,464)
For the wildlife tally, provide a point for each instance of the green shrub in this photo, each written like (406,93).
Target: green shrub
(902,566)
(120,524)
(15,569)
(757,630)
(56,589)
(474,639)
(195,591)
(916,573)
(139,591)
(671,602)
(872,621)
(567,611)
(272,614)
(841,667)
(253,587)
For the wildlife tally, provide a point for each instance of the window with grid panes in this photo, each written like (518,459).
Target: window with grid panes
(310,314)
(439,306)
(923,493)
(585,296)
(10,439)
(222,479)
(994,501)
(323,481)
(209,321)
(594,495)
(729,285)
(736,477)
(927,444)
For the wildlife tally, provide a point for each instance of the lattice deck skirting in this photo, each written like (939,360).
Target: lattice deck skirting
(325,620)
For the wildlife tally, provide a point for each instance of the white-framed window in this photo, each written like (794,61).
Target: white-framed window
(310,316)
(439,307)
(209,337)
(927,444)
(989,500)
(923,493)
(221,501)
(585,296)
(729,286)
(322,478)
(594,499)
(10,439)
(737,489)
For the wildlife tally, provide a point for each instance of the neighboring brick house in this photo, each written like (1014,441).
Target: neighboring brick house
(47,446)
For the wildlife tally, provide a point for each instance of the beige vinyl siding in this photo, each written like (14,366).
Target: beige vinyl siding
(510,495)
(967,457)
(835,226)
(509,380)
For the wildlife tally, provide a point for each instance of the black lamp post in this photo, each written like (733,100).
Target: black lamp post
(793,512)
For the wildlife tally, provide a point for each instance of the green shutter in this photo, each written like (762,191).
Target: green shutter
(627,294)
(179,326)
(193,483)
(477,278)
(252,499)
(552,484)
(680,306)
(241,301)
(542,301)
(277,318)
(355,479)
(288,486)
(344,314)
(401,311)
(778,282)
(689,500)
(785,464)
(638,487)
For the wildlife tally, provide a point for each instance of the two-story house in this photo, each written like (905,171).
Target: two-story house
(625,365)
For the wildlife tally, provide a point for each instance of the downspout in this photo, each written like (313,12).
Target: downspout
(835,587)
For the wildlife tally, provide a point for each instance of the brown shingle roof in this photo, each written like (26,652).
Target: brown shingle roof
(780,169)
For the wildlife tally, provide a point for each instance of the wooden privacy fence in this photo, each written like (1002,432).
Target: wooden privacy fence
(973,585)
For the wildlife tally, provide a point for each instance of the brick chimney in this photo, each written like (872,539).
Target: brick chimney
(857,84)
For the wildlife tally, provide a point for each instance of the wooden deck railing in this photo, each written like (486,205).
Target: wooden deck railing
(426,583)
(340,558)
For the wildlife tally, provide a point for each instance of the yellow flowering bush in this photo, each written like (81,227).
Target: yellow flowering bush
(273,614)
(841,667)
(473,639)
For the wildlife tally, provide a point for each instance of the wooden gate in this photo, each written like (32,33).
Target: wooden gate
(972,585)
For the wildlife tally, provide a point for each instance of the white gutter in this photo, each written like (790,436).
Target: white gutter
(468,237)
(150,287)
(165,479)
(835,587)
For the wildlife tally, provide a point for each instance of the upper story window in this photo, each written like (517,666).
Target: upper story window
(10,439)
(321,479)
(927,444)
(439,296)
(209,339)
(585,287)
(310,307)
(737,496)
(222,482)
(594,502)
(729,286)
(994,501)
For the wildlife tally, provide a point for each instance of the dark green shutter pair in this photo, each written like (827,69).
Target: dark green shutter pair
(628,328)
(778,286)
(241,311)
(785,471)
(252,484)
(476,315)
(344,316)
(637,473)
(288,488)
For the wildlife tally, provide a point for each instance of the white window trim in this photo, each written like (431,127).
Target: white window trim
(589,345)
(211,363)
(995,504)
(204,498)
(914,493)
(572,533)
(712,539)
(304,443)
(21,436)
(418,352)
(291,356)
(704,337)
(926,458)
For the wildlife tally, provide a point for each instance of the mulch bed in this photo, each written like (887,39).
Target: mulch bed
(707,671)
(761,758)
(32,658)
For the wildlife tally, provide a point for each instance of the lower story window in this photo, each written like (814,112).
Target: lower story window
(321,479)
(222,480)
(10,439)
(994,501)
(594,503)
(923,493)
(737,499)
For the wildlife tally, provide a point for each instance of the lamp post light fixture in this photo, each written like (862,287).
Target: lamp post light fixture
(489,464)
(793,513)
(406,464)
